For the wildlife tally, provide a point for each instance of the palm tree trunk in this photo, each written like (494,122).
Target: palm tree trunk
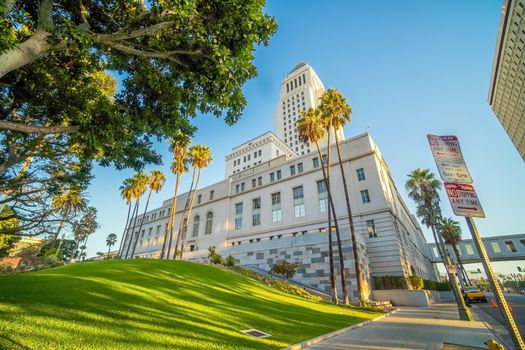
(60,226)
(124,233)
(141,222)
(171,221)
(189,211)
(358,273)
(181,226)
(109,249)
(460,263)
(134,219)
(437,244)
(333,280)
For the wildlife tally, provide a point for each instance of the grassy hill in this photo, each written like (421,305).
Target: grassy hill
(155,304)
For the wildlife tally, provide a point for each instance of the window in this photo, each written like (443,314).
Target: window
(276,207)
(249,157)
(511,246)
(212,192)
(495,247)
(298,202)
(259,152)
(192,248)
(158,230)
(292,170)
(237,188)
(315,162)
(199,199)
(323,196)
(209,223)
(254,183)
(238,216)
(360,174)
(242,187)
(196,223)
(256,214)
(469,249)
(272,177)
(365,197)
(259,181)
(254,154)
(325,159)
(371,228)
(278,174)
(300,168)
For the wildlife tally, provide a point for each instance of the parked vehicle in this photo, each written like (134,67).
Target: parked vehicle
(474,294)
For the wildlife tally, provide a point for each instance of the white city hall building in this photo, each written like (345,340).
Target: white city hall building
(272,205)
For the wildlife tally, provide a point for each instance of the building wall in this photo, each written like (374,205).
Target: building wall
(397,248)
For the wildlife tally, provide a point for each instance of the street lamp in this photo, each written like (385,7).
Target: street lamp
(430,210)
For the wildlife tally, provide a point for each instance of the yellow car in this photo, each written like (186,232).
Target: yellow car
(474,294)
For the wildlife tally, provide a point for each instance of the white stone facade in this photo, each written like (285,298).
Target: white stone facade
(275,210)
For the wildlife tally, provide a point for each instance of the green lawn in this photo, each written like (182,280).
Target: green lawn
(154,304)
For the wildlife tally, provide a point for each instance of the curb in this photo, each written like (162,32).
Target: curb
(302,345)
(497,329)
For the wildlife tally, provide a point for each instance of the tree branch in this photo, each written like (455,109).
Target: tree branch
(34,129)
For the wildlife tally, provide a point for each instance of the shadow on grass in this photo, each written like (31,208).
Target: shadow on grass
(155,304)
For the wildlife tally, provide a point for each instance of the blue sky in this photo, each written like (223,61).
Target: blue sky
(408,68)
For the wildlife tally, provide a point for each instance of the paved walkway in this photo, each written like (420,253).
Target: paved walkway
(412,328)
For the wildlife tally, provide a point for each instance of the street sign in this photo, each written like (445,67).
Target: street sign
(449,159)
(464,200)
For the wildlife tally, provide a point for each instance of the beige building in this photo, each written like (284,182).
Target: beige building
(272,206)
(507,83)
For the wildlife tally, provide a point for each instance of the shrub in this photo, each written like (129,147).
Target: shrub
(281,285)
(429,285)
(285,269)
(416,282)
(51,259)
(230,261)
(6,268)
(443,286)
(217,259)
(389,282)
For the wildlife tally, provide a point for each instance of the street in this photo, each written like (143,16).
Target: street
(517,302)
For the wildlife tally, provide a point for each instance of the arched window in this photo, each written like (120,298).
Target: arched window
(209,223)
(196,222)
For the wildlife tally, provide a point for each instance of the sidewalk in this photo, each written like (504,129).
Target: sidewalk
(413,328)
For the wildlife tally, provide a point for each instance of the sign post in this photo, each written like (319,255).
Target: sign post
(465,202)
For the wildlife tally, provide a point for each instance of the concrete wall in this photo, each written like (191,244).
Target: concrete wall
(402,297)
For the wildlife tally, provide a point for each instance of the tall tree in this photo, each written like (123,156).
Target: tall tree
(179,166)
(140,185)
(155,182)
(127,193)
(178,58)
(451,232)
(200,157)
(311,127)
(71,202)
(422,184)
(335,109)
(111,239)
(83,228)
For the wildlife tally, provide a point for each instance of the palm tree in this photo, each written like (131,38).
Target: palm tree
(126,192)
(179,166)
(335,108)
(451,232)
(139,186)
(311,129)
(200,157)
(155,182)
(111,239)
(422,185)
(85,227)
(68,203)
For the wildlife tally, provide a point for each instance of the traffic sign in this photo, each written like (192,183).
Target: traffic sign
(464,200)
(449,159)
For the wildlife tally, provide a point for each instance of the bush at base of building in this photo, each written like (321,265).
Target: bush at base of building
(285,269)
(6,268)
(389,282)
(282,285)
(230,261)
(214,257)
(415,282)
(435,285)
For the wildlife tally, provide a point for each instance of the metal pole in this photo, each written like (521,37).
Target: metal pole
(498,294)
(464,312)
